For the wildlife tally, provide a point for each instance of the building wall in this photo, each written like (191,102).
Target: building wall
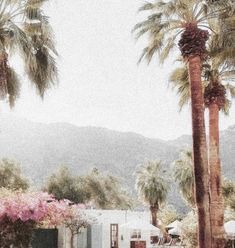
(120,217)
(98,236)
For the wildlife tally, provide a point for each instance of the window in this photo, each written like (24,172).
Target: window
(136,234)
(114,236)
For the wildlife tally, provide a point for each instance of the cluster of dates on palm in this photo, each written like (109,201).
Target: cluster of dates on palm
(193,41)
(215,94)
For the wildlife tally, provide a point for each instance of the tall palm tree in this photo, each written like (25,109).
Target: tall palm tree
(183,174)
(215,100)
(152,186)
(168,20)
(25,30)
(217,88)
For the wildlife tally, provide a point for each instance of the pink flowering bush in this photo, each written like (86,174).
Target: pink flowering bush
(21,212)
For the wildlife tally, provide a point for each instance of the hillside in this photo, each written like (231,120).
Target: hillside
(42,148)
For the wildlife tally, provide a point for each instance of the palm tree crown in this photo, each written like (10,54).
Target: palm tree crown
(151,184)
(169,19)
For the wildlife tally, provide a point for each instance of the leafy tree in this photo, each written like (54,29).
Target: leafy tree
(25,30)
(168,214)
(106,191)
(103,191)
(63,185)
(168,20)
(11,177)
(152,186)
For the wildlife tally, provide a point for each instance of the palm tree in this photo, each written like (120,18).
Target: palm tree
(217,87)
(24,29)
(152,186)
(183,174)
(168,20)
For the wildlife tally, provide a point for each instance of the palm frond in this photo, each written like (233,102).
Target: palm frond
(164,54)
(13,86)
(41,69)
(180,81)
(226,107)
(146,6)
(231,89)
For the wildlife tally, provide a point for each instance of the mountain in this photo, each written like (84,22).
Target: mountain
(42,148)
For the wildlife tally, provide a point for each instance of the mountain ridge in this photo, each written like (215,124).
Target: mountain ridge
(41,148)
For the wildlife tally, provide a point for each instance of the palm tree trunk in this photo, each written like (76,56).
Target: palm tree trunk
(154,210)
(3,74)
(217,204)
(200,153)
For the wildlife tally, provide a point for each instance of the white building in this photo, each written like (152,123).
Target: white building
(113,229)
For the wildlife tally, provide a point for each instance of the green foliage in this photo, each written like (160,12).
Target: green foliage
(103,191)
(189,230)
(168,214)
(224,44)
(63,185)
(184,176)
(167,20)
(25,30)
(106,191)
(11,177)
(228,190)
(151,184)
(180,81)
(214,72)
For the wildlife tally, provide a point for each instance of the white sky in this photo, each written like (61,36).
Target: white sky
(100,82)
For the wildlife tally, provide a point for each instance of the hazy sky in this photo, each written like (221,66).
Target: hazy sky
(100,82)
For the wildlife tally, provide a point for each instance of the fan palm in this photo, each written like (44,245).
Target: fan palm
(152,186)
(183,174)
(168,20)
(24,29)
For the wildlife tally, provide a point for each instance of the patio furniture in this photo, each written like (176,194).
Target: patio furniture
(175,228)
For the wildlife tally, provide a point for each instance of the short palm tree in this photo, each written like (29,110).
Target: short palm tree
(152,186)
(168,20)
(25,30)
(184,176)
